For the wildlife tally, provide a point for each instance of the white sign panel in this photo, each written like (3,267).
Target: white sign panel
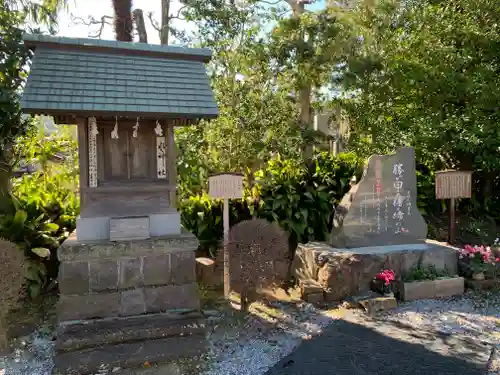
(129,228)
(226,185)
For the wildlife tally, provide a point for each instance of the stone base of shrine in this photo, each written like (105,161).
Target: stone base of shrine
(124,303)
(346,272)
(106,345)
(97,228)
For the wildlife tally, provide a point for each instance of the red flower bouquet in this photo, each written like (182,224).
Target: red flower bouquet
(382,282)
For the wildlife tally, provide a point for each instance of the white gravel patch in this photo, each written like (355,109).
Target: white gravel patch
(472,316)
(31,355)
(251,344)
(253,347)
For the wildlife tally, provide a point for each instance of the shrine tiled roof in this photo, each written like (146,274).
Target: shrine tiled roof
(87,77)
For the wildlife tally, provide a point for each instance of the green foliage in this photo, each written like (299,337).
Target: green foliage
(39,12)
(202,216)
(301,198)
(12,74)
(425,74)
(420,273)
(43,205)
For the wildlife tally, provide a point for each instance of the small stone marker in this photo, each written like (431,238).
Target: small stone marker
(382,208)
(453,185)
(129,228)
(226,186)
(259,258)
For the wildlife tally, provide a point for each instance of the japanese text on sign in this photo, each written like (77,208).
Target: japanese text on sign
(453,184)
(399,199)
(226,186)
(378,190)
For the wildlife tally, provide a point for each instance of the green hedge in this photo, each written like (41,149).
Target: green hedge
(301,198)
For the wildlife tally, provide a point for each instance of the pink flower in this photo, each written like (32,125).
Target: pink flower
(386,275)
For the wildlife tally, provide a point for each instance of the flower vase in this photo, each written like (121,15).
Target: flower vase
(380,286)
(478,276)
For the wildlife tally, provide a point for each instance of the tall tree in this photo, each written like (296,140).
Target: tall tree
(42,12)
(13,17)
(427,74)
(124,27)
(12,74)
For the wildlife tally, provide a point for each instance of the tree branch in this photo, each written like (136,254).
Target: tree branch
(178,16)
(91,21)
(270,2)
(154,23)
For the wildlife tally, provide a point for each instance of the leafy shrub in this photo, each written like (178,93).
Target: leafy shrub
(202,216)
(43,206)
(300,198)
(11,283)
(420,273)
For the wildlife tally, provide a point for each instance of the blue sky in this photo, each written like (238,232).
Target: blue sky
(98,8)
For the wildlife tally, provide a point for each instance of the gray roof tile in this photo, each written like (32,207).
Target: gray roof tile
(85,80)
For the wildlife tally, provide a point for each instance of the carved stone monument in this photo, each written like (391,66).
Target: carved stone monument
(376,226)
(382,208)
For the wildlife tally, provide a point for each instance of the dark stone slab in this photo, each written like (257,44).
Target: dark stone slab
(132,302)
(88,334)
(74,277)
(103,275)
(156,269)
(88,306)
(183,267)
(164,298)
(130,273)
(132,354)
(382,208)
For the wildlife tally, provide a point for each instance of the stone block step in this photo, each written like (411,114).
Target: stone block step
(129,355)
(95,333)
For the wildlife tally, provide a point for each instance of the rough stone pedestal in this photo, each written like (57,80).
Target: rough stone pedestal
(124,303)
(347,272)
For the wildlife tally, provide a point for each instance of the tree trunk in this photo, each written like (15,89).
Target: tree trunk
(305,89)
(140,25)
(165,21)
(5,176)
(305,114)
(123,20)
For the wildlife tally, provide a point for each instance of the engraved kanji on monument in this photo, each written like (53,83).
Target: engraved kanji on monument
(382,208)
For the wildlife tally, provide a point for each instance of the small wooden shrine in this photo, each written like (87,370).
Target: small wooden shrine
(127,282)
(126,99)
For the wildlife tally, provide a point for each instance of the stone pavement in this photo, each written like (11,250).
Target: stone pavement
(362,346)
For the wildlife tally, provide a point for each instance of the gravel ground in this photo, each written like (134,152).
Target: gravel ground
(252,344)
(32,355)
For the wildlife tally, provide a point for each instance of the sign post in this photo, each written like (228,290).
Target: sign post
(226,186)
(451,185)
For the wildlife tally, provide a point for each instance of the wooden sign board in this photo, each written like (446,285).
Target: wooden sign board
(129,228)
(453,184)
(225,186)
